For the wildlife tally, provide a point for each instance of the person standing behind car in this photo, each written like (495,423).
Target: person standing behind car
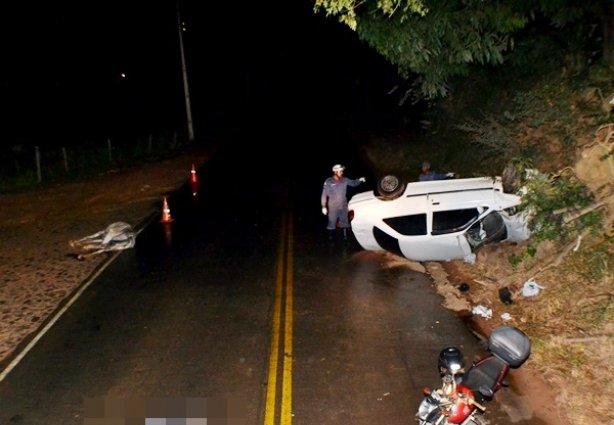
(334,200)
(426,174)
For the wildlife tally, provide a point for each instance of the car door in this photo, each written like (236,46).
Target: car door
(455,214)
(402,227)
(447,228)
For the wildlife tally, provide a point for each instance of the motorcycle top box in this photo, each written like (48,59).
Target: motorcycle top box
(510,344)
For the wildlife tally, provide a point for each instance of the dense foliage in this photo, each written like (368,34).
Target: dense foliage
(434,41)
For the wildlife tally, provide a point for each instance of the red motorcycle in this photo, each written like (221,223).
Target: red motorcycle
(462,395)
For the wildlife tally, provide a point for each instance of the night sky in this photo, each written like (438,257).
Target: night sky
(264,64)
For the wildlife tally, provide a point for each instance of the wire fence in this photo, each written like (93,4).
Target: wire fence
(28,166)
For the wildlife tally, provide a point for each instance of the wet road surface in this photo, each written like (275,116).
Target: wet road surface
(195,309)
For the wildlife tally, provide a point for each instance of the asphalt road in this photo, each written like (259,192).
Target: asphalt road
(242,302)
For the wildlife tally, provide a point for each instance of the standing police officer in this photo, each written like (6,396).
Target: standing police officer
(334,200)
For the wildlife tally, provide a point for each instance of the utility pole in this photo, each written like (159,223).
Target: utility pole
(186,90)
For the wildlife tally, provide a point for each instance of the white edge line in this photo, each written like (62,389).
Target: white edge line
(55,318)
(59,314)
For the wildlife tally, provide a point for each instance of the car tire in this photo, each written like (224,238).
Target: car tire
(390,187)
(511,178)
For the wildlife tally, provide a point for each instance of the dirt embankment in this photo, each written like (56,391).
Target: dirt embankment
(569,320)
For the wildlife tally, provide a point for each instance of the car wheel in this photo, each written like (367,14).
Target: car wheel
(390,187)
(511,178)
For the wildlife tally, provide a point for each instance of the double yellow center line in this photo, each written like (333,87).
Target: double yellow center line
(281,340)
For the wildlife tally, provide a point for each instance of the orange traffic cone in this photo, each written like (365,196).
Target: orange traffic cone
(193,176)
(166,212)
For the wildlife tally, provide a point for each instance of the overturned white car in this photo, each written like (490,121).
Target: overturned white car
(436,220)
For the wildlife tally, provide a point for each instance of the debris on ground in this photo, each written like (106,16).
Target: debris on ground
(116,237)
(531,288)
(480,310)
